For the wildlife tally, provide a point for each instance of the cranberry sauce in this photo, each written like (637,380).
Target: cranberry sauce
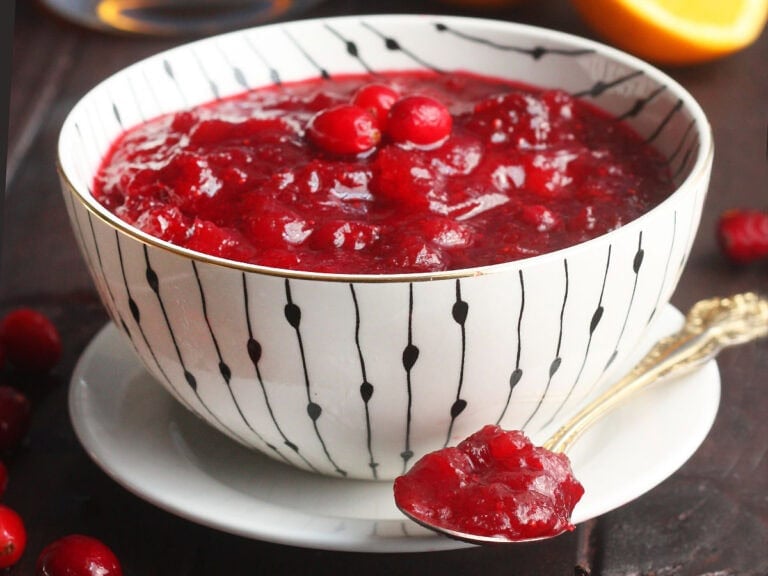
(495,483)
(402,172)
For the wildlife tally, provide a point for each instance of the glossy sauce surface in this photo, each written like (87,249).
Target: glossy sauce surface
(521,172)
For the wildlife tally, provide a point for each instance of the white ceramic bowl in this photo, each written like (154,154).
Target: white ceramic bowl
(358,376)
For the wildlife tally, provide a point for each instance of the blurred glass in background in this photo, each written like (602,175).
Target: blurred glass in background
(174,17)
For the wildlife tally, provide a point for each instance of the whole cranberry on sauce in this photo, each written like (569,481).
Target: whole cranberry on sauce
(419,121)
(377,99)
(345,129)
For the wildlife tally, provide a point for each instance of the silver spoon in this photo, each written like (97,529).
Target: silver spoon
(710,326)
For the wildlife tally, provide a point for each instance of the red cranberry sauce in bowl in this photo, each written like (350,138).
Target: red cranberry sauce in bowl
(394,173)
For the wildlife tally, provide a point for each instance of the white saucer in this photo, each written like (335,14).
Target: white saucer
(138,434)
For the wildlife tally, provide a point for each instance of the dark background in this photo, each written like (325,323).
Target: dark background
(6,48)
(708,519)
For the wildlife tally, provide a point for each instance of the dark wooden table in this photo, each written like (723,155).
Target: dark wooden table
(709,518)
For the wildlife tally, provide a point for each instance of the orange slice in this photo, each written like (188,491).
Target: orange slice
(676,31)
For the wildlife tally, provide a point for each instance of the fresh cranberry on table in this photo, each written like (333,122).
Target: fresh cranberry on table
(32,342)
(13,537)
(743,235)
(15,412)
(344,129)
(77,555)
(378,99)
(419,121)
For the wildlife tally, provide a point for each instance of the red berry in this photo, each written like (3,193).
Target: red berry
(13,537)
(419,121)
(344,129)
(32,343)
(15,412)
(77,555)
(743,235)
(378,99)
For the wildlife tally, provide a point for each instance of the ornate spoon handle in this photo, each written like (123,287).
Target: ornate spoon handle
(710,326)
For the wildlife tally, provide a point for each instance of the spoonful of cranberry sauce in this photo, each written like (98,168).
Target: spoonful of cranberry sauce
(493,486)
(496,486)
